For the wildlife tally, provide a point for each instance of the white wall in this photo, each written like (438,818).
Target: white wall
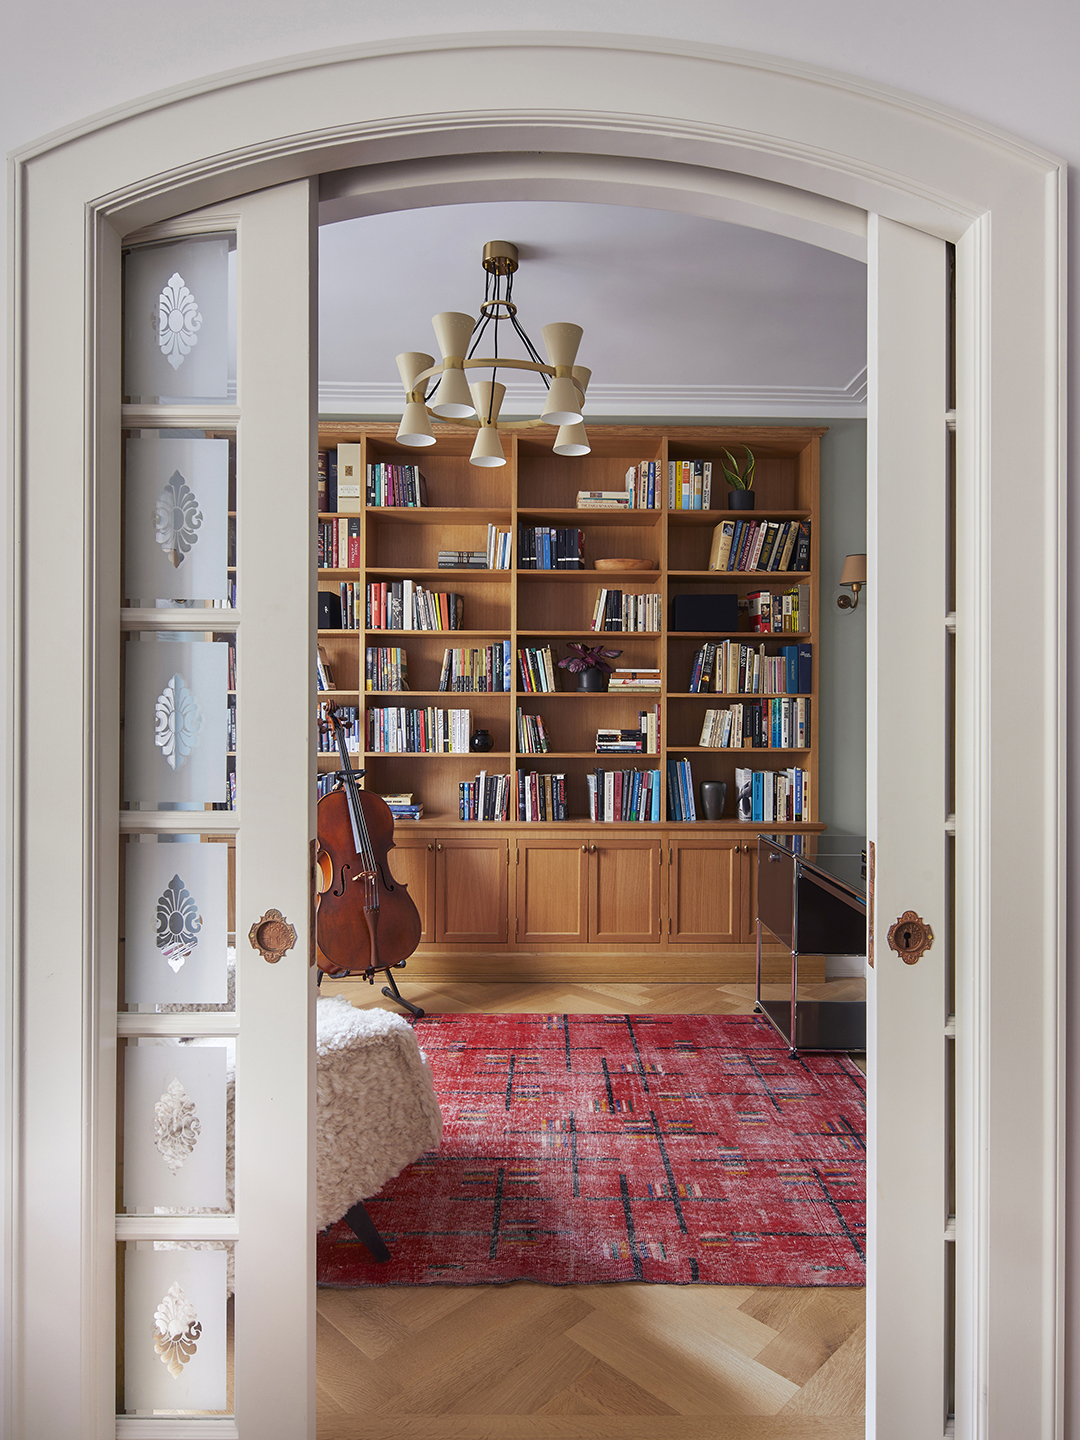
(1009,64)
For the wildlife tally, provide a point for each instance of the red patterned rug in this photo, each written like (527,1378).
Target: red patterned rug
(582,1149)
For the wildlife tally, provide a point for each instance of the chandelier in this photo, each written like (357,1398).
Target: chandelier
(444,392)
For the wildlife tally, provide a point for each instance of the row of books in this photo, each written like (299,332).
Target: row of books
(231,682)
(779,612)
(349,716)
(485,798)
(634,680)
(624,795)
(230,727)
(339,544)
(550,547)
(403,806)
(605,500)
(404,605)
(396,730)
(689,484)
(326,481)
(760,545)
(386,667)
(396,485)
(617,610)
(496,555)
(537,669)
(766,796)
(532,737)
(680,788)
(349,597)
(777,724)
(324,672)
(642,739)
(641,484)
(482,670)
(540,796)
(732,667)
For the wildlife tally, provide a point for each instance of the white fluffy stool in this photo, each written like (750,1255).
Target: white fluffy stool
(376,1109)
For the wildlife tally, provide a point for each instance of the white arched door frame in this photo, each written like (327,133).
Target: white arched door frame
(800,149)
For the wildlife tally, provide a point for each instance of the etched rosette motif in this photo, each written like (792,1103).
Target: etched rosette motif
(176,1126)
(178,923)
(177,722)
(179,321)
(177,518)
(176,1330)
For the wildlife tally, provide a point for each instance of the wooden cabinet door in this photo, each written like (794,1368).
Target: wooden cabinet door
(624,891)
(553,891)
(705,892)
(470,890)
(412,863)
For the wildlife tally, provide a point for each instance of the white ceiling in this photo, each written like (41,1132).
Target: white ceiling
(683,316)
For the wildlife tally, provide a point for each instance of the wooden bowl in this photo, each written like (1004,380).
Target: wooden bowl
(624,563)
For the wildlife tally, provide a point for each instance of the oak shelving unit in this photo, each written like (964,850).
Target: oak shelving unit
(535,900)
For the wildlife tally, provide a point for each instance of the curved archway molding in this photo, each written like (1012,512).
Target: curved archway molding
(742,137)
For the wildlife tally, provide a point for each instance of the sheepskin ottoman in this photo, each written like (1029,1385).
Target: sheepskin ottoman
(376,1105)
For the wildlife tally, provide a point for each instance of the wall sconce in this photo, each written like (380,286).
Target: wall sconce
(854,574)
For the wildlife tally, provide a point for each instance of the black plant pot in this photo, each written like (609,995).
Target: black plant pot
(713,798)
(481,742)
(740,500)
(591,679)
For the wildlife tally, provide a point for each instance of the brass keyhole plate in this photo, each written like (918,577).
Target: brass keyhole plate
(272,936)
(910,937)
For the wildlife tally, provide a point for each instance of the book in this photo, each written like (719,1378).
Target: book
(721,544)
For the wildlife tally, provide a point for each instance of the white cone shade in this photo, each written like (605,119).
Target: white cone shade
(415,427)
(487,394)
(572,440)
(453,331)
(563,404)
(562,341)
(411,364)
(452,400)
(487,449)
(582,375)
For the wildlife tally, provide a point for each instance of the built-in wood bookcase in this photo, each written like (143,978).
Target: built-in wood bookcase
(564,879)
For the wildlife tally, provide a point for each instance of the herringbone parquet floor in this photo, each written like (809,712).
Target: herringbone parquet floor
(629,1361)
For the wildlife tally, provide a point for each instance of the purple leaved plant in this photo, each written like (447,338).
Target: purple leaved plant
(587,657)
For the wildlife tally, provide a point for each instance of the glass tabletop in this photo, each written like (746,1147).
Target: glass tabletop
(840,857)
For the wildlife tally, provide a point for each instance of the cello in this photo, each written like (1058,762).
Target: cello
(366,921)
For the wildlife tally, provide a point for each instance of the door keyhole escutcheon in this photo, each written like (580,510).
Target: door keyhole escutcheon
(272,936)
(910,937)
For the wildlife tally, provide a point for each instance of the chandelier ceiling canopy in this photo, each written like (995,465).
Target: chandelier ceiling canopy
(445,391)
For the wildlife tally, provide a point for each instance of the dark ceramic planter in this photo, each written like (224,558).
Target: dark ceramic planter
(481,742)
(713,797)
(740,500)
(591,679)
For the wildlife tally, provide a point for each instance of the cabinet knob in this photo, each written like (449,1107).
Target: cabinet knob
(592,849)
(430,846)
(584,849)
(439,845)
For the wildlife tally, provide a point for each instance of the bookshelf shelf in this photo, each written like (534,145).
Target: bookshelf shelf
(706,864)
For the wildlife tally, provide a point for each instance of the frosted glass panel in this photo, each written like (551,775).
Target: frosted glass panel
(176,520)
(176,923)
(175,721)
(174,1126)
(177,322)
(174,1329)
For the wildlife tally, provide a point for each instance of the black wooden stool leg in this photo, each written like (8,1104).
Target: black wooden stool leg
(363,1227)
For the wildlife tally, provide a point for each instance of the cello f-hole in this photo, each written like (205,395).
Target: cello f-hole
(344,877)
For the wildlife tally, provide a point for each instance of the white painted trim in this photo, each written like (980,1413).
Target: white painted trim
(786,124)
(342,398)
(176,1227)
(132,1427)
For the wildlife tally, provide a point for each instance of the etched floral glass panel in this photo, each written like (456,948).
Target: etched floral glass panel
(175,1329)
(175,1107)
(178,325)
(177,721)
(176,942)
(176,519)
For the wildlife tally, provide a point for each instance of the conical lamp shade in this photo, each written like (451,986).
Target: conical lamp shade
(487,449)
(452,400)
(563,405)
(411,364)
(572,440)
(562,341)
(487,395)
(415,427)
(453,331)
(581,376)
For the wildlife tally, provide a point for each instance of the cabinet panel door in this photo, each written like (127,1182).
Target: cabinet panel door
(553,891)
(705,892)
(412,864)
(624,898)
(470,890)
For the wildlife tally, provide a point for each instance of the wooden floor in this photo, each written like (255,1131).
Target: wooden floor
(628,1361)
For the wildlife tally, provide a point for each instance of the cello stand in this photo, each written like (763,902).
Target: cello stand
(394,993)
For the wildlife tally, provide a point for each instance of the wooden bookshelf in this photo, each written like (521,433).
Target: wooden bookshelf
(540,895)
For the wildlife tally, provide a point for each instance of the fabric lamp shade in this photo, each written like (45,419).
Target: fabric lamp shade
(854,572)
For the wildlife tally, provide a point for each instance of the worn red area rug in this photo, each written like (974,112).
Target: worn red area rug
(582,1149)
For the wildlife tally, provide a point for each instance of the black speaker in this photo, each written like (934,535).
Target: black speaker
(329,610)
(705,612)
